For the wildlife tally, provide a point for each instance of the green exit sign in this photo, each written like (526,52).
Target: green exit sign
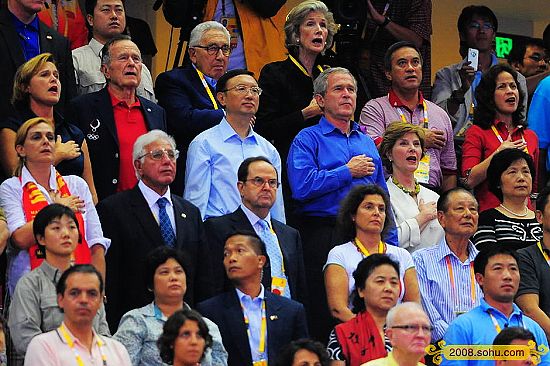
(503,46)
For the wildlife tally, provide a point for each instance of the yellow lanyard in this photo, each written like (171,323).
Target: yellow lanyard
(207,88)
(452,277)
(70,343)
(497,134)
(497,326)
(302,69)
(263,328)
(544,254)
(361,248)
(424,115)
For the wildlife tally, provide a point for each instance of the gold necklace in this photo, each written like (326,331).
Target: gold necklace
(410,192)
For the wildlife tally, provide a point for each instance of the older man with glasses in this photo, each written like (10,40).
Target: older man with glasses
(214,156)
(144,218)
(188,93)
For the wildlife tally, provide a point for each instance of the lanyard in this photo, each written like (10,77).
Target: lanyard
(544,254)
(495,323)
(302,69)
(424,114)
(278,246)
(207,88)
(70,343)
(497,134)
(361,248)
(263,328)
(452,277)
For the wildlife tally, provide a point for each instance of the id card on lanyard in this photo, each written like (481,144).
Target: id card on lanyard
(422,173)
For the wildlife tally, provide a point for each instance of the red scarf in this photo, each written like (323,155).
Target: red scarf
(33,202)
(360,340)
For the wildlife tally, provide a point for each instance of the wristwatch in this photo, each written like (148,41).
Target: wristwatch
(385,22)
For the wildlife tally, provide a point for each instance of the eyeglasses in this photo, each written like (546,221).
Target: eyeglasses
(259,182)
(538,58)
(214,49)
(477,26)
(243,89)
(158,154)
(414,328)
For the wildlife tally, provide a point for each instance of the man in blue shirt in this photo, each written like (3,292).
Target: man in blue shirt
(215,155)
(324,162)
(497,273)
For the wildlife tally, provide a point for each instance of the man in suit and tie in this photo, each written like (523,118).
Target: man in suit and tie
(144,218)
(255,324)
(188,93)
(114,117)
(284,272)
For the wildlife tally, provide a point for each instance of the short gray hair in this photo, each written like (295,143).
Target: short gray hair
(320,84)
(106,50)
(198,32)
(296,17)
(147,139)
(409,305)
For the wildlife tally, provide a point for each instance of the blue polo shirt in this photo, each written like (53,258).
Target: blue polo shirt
(476,327)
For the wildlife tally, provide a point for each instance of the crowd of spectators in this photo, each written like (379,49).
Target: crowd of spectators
(240,185)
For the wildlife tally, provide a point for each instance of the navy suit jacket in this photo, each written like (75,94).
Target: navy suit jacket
(286,322)
(218,228)
(128,221)
(12,56)
(95,109)
(189,111)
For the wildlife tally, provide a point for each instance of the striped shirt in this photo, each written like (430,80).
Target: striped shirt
(438,297)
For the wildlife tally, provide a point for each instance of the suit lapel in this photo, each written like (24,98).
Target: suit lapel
(235,321)
(275,323)
(182,223)
(46,39)
(11,38)
(141,210)
(105,113)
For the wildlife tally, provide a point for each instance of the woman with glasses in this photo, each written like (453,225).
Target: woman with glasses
(36,91)
(35,184)
(288,105)
(363,338)
(364,218)
(498,125)
(140,328)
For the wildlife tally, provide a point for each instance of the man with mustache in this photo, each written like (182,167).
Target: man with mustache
(188,93)
(106,19)
(146,217)
(405,102)
(325,161)
(33,309)
(79,297)
(445,271)
(497,273)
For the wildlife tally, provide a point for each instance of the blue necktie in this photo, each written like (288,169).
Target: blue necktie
(273,252)
(164,222)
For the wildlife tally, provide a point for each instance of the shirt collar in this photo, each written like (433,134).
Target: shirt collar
(327,127)
(500,125)
(244,297)
(151,196)
(51,272)
(443,250)
(486,308)
(33,24)
(115,101)
(76,340)
(27,177)
(211,81)
(252,217)
(395,101)
(95,46)
(228,132)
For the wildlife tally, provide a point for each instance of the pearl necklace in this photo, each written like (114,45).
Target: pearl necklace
(513,213)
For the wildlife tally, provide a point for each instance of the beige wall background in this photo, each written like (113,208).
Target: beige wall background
(524,17)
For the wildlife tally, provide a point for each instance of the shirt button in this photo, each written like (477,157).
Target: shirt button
(116,155)
(115,181)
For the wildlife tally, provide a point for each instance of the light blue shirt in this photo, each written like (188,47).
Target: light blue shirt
(539,116)
(152,197)
(213,159)
(476,327)
(254,219)
(252,308)
(237,59)
(438,298)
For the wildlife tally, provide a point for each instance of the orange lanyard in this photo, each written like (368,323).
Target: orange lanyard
(207,88)
(263,327)
(424,115)
(497,134)
(452,277)
(302,69)
(361,248)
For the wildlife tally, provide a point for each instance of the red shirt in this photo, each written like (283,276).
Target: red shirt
(480,143)
(130,124)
